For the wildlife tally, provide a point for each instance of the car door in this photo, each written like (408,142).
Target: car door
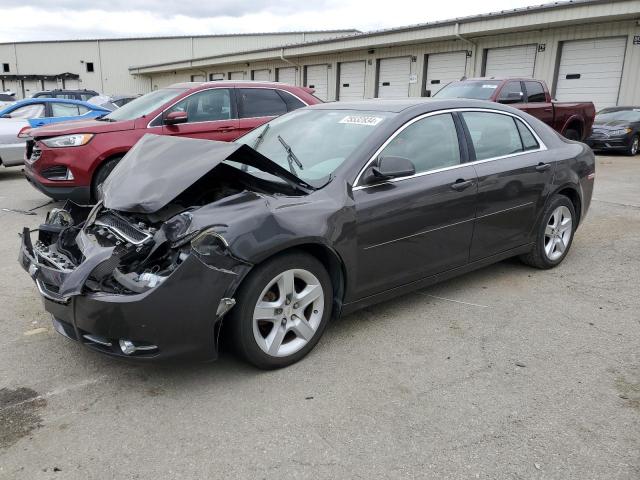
(536,102)
(512,180)
(257,106)
(413,227)
(211,115)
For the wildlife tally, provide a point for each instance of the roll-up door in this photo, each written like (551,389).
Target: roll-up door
(216,76)
(590,71)
(198,78)
(351,82)
(287,75)
(236,75)
(443,68)
(261,75)
(511,61)
(317,77)
(393,77)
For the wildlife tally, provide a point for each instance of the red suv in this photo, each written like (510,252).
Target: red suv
(70,160)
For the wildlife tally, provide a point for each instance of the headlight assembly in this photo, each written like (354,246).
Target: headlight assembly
(208,243)
(75,140)
(619,132)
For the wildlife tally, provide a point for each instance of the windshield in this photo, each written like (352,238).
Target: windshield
(623,115)
(312,144)
(480,90)
(144,105)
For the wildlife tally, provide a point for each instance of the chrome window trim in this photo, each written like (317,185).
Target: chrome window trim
(227,120)
(541,147)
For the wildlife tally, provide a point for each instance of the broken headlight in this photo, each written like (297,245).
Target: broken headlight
(209,242)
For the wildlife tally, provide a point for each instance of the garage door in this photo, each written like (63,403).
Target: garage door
(318,77)
(393,77)
(590,70)
(236,75)
(261,75)
(351,83)
(216,76)
(198,78)
(511,61)
(287,75)
(31,87)
(51,84)
(443,68)
(71,84)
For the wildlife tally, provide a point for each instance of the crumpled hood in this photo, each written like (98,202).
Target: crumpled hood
(159,168)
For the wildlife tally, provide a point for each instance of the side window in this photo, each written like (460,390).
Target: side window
(64,110)
(292,102)
(429,143)
(260,102)
(82,109)
(492,134)
(535,92)
(511,93)
(86,96)
(529,142)
(206,106)
(28,111)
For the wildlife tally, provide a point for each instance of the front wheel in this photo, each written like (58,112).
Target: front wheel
(634,146)
(101,175)
(572,134)
(283,308)
(554,234)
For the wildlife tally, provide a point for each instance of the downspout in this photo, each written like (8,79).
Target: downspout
(298,67)
(456,32)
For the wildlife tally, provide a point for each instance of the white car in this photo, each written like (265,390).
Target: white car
(6,99)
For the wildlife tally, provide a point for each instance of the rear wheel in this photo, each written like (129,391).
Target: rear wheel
(101,175)
(554,234)
(283,308)
(572,134)
(634,147)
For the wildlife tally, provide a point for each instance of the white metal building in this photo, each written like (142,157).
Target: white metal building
(103,64)
(583,49)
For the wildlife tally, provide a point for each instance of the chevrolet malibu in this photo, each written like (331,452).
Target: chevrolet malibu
(313,215)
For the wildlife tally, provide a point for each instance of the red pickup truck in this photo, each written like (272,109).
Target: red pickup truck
(571,119)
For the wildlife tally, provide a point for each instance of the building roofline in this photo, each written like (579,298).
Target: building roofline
(182,37)
(406,28)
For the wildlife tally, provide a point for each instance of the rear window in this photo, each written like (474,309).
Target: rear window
(535,92)
(260,102)
(480,90)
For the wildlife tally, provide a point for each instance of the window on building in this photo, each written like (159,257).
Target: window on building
(493,134)
(430,143)
(5,67)
(535,92)
(89,67)
(260,102)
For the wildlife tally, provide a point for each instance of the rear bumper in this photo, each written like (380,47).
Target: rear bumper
(77,194)
(179,316)
(12,154)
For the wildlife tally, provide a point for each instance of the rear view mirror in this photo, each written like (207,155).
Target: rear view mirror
(174,118)
(390,167)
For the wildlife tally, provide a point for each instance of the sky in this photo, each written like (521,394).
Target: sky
(24,20)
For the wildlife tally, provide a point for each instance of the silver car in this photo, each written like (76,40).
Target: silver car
(12,147)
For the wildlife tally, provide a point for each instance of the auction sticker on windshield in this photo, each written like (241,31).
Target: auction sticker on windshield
(490,86)
(361,120)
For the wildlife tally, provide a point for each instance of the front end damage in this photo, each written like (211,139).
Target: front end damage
(133,284)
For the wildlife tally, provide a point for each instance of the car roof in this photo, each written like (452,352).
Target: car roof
(254,83)
(30,101)
(396,106)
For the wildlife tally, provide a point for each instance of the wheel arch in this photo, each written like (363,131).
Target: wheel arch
(574,123)
(113,156)
(572,193)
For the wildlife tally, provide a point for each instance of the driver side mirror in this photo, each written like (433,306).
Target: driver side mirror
(512,97)
(175,118)
(390,167)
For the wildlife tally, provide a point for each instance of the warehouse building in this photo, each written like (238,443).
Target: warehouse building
(584,50)
(103,64)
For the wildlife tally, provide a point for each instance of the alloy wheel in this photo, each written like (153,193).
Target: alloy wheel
(288,312)
(635,145)
(557,233)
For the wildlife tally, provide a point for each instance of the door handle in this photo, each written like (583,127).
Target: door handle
(461,184)
(543,167)
(225,129)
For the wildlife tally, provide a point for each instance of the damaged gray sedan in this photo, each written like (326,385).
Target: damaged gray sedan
(315,214)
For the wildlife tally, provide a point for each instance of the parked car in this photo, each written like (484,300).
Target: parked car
(6,99)
(82,95)
(220,110)
(572,119)
(320,212)
(35,113)
(112,102)
(617,129)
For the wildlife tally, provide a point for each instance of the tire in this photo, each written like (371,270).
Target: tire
(278,333)
(572,134)
(101,175)
(634,146)
(552,240)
